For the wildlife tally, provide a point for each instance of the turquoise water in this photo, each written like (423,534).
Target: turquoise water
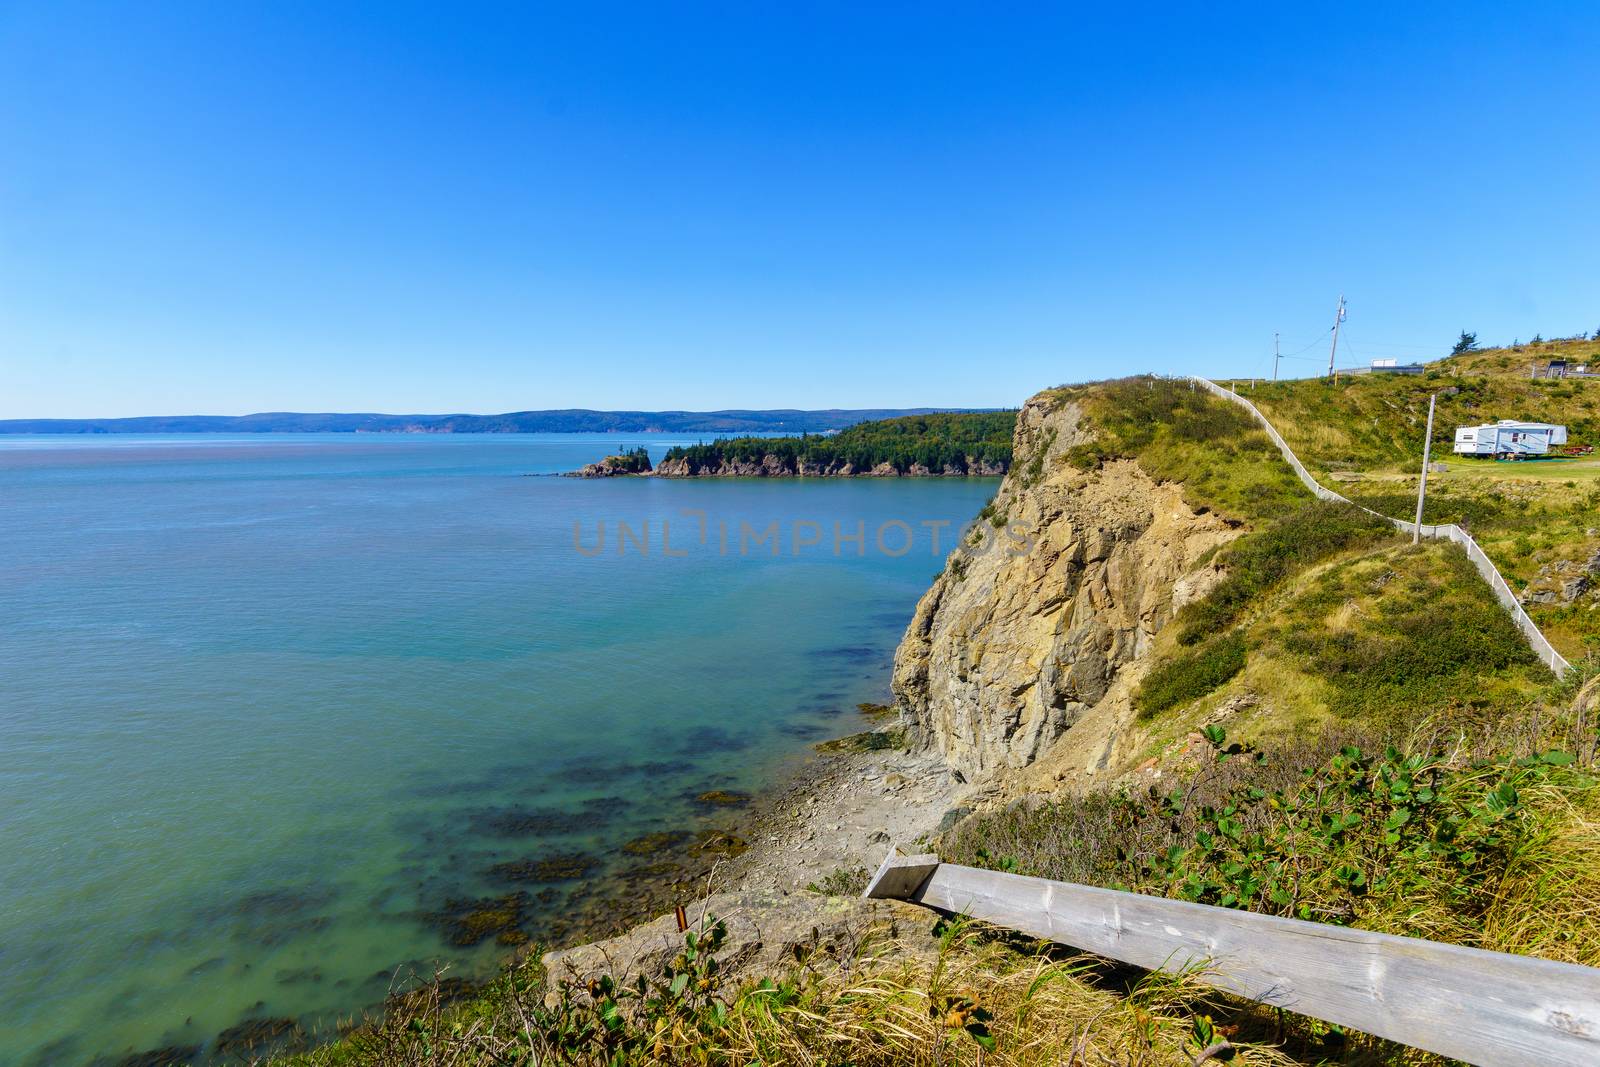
(267,704)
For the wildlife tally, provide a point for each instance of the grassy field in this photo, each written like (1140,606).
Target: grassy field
(1538,520)
(1375,422)
(1574,469)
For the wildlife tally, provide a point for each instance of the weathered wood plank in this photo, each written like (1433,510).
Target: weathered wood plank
(1488,1008)
(899,876)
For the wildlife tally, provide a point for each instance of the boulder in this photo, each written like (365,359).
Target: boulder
(769,932)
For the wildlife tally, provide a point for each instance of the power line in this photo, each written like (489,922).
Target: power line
(1317,340)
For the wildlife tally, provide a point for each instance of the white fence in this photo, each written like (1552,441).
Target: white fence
(1488,1008)
(1502,592)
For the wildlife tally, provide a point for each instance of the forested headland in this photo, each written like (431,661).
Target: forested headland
(955,444)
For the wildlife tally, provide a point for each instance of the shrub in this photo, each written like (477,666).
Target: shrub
(1399,842)
(843,882)
(1417,653)
(1190,675)
(1260,560)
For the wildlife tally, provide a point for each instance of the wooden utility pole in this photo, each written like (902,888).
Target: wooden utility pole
(1422,489)
(1274,355)
(1338,317)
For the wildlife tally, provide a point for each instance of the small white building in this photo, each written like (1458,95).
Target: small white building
(1509,437)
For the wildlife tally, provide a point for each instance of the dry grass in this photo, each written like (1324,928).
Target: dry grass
(1549,898)
(906,1010)
(976,1002)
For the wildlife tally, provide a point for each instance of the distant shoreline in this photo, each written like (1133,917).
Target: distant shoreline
(556,420)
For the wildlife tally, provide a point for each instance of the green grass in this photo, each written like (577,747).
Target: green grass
(1376,422)
(1181,434)
(1377,637)
(963,998)
(1363,436)
(1428,637)
(1555,469)
(1263,558)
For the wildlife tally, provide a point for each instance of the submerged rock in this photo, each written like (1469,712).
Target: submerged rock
(254,1036)
(870,741)
(660,841)
(561,867)
(171,1056)
(662,871)
(538,822)
(723,798)
(470,922)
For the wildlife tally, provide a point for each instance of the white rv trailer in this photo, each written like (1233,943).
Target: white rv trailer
(1509,438)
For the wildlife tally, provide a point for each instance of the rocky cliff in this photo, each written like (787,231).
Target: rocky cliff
(1044,612)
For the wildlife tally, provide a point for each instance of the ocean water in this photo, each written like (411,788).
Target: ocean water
(272,708)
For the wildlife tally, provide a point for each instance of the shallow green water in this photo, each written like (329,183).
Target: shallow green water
(267,704)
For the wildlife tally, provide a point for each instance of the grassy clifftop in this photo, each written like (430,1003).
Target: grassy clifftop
(1373,423)
(1322,615)
(1539,521)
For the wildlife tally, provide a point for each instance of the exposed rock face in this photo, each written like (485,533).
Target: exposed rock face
(1020,637)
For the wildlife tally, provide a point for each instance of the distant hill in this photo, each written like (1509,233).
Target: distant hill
(564,420)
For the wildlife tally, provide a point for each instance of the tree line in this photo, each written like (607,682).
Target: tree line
(948,440)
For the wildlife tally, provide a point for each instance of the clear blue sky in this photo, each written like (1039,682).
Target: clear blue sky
(233,207)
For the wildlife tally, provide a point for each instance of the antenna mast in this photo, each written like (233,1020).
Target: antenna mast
(1337,319)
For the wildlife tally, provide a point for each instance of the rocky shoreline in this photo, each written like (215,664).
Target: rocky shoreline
(813,839)
(771,468)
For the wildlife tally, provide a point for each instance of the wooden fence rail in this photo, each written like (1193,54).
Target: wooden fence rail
(1480,561)
(1488,1008)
